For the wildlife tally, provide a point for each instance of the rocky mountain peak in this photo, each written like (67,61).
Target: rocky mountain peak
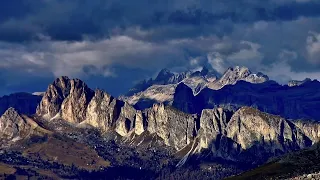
(204,71)
(237,72)
(183,95)
(164,75)
(234,74)
(65,96)
(10,113)
(293,83)
(61,84)
(12,125)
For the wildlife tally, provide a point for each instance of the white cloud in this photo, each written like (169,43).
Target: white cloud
(260,25)
(69,58)
(218,62)
(245,54)
(313,47)
(282,73)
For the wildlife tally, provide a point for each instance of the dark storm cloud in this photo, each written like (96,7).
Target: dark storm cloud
(118,42)
(24,20)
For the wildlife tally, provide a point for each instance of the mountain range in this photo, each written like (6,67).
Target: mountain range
(163,87)
(198,125)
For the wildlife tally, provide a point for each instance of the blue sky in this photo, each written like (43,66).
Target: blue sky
(111,44)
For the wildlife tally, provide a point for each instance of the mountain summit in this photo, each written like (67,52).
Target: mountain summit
(161,90)
(233,75)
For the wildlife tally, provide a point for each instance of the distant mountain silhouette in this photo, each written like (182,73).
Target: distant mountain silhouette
(24,103)
(295,102)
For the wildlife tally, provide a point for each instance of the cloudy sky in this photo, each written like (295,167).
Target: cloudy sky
(111,44)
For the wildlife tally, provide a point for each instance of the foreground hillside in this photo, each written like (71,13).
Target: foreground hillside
(303,164)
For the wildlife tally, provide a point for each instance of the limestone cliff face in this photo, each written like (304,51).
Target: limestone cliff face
(139,126)
(12,125)
(249,133)
(213,122)
(250,127)
(125,122)
(51,102)
(176,128)
(103,110)
(310,129)
(66,98)
(73,108)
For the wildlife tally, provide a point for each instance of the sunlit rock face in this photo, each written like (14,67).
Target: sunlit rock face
(250,132)
(103,110)
(125,122)
(234,74)
(53,98)
(176,128)
(66,98)
(139,123)
(73,108)
(12,125)
(213,122)
(250,127)
(310,128)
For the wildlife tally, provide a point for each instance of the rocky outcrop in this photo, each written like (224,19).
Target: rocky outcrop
(13,126)
(294,83)
(139,126)
(213,122)
(233,75)
(66,98)
(164,77)
(52,99)
(73,108)
(310,128)
(176,128)
(103,110)
(73,101)
(125,122)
